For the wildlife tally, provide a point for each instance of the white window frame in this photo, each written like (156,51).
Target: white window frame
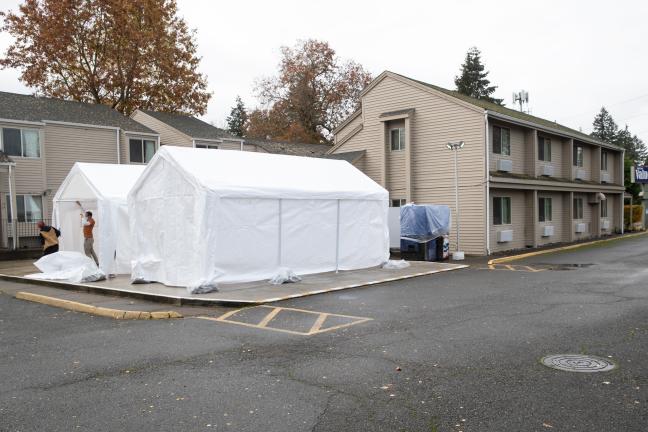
(604,209)
(547,216)
(580,156)
(206,146)
(25,219)
(501,143)
(578,207)
(401,139)
(510,210)
(142,139)
(545,144)
(400,201)
(22,142)
(604,160)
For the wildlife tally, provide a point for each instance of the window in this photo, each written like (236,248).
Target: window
(501,141)
(207,146)
(578,156)
(398,202)
(604,160)
(29,208)
(21,142)
(501,210)
(544,149)
(544,210)
(578,208)
(604,209)
(397,139)
(141,150)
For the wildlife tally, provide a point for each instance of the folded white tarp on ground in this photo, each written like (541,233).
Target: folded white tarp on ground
(200,217)
(102,189)
(67,266)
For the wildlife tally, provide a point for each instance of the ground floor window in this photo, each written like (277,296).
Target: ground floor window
(544,210)
(29,208)
(604,209)
(141,150)
(578,208)
(399,202)
(501,210)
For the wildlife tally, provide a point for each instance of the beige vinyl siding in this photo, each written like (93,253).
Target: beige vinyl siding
(557,219)
(518,148)
(65,145)
(587,217)
(347,129)
(556,158)
(519,217)
(168,135)
(612,163)
(435,121)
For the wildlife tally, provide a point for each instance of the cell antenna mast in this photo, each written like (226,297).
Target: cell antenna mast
(521,97)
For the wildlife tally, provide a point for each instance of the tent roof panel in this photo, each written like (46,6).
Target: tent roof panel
(105,180)
(250,174)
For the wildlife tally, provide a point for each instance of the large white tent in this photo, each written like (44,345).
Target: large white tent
(200,217)
(102,189)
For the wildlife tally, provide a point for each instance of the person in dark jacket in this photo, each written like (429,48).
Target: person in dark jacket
(49,238)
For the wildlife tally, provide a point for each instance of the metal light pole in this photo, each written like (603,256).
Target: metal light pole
(455,146)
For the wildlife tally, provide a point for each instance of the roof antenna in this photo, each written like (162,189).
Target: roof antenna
(521,97)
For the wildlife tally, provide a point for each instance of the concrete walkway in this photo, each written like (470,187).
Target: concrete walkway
(233,294)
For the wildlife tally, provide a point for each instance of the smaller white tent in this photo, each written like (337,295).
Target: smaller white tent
(102,189)
(200,217)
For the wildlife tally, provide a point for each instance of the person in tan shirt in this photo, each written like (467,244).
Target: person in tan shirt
(49,238)
(88,239)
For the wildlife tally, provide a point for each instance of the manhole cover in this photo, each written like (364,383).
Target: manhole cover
(578,363)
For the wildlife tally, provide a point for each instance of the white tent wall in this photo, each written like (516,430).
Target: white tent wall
(101,189)
(189,234)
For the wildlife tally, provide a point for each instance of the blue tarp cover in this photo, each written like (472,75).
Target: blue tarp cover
(424,222)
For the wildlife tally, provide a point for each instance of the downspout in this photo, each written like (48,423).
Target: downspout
(487,141)
(12,200)
(622,221)
(118,146)
(241,145)
(193,143)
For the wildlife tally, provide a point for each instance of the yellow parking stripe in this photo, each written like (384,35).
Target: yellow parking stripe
(273,313)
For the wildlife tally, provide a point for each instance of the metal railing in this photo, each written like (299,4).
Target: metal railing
(27,233)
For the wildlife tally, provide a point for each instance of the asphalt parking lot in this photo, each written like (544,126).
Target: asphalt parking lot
(450,352)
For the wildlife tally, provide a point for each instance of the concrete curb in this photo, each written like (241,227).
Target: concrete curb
(96,310)
(562,248)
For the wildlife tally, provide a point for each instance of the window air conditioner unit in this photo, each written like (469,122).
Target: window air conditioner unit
(605,225)
(547,170)
(605,177)
(547,231)
(580,174)
(505,236)
(505,165)
(581,227)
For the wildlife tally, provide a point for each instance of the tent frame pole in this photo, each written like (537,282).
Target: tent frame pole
(337,239)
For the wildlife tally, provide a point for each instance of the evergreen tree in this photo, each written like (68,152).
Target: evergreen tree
(605,128)
(238,119)
(472,81)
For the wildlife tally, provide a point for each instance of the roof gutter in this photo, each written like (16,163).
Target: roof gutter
(25,122)
(548,129)
(62,123)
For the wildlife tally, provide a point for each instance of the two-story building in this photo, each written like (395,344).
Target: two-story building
(41,139)
(523,181)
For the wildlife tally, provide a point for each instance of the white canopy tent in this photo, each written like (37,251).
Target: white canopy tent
(102,189)
(200,217)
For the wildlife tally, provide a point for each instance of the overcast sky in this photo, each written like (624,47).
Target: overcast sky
(571,56)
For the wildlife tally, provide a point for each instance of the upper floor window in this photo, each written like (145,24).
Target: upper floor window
(604,160)
(544,149)
(578,208)
(501,210)
(578,156)
(21,142)
(501,141)
(397,139)
(400,202)
(207,146)
(29,208)
(545,213)
(141,150)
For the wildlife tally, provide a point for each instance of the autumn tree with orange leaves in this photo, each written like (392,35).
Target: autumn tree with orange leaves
(127,54)
(313,92)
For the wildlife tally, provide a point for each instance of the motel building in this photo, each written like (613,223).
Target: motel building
(523,181)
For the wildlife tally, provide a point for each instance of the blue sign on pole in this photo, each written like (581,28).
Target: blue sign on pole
(641,174)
